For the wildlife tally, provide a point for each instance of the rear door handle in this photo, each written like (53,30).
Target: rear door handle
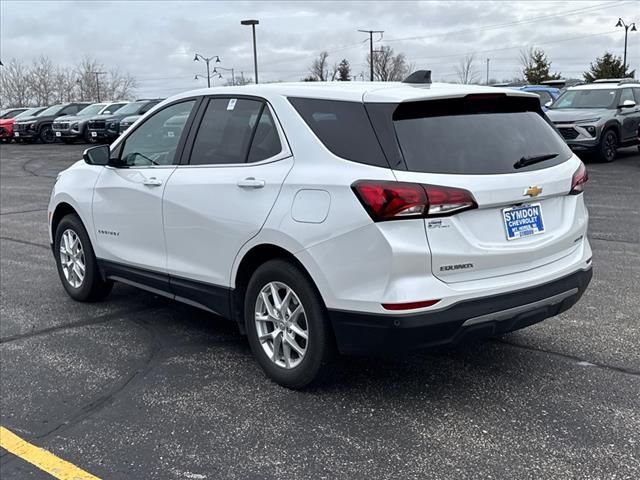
(152,182)
(251,182)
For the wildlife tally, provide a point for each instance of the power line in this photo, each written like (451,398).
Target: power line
(509,24)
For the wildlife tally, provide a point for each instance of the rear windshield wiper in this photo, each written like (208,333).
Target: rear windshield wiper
(525,161)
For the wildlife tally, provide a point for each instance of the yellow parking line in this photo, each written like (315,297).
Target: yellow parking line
(42,459)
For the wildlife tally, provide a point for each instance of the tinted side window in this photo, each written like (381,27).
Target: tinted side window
(343,127)
(225,131)
(544,96)
(266,142)
(70,110)
(636,92)
(155,142)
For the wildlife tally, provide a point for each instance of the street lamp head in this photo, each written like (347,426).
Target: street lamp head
(196,77)
(633,27)
(619,24)
(195,57)
(249,22)
(217,59)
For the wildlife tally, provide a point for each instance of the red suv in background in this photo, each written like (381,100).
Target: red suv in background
(8,119)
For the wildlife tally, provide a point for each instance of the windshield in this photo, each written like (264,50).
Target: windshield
(54,110)
(91,109)
(32,112)
(114,107)
(594,98)
(11,114)
(131,108)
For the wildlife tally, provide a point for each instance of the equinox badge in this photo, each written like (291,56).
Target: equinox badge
(533,191)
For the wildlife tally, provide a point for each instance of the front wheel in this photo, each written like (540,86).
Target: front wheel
(47,135)
(76,262)
(287,325)
(608,146)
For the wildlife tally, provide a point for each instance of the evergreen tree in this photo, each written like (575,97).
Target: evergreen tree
(607,66)
(536,67)
(344,71)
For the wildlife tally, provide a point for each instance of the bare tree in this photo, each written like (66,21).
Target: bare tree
(42,79)
(64,85)
(388,67)
(14,84)
(466,70)
(113,85)
(319,68)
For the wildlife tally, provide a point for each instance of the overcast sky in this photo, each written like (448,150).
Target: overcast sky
(156,40)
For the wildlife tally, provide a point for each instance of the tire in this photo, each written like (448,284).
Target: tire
(91,287)
(47,135)
(608,145)
(318,350)
(87,136)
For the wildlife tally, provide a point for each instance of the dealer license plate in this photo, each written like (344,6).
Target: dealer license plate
(523,221)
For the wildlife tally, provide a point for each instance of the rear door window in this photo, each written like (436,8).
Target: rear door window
(226,131)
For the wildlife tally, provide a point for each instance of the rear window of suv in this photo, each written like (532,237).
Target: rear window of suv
(474,136)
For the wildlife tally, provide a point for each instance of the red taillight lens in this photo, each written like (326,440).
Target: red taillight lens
(386,200)
(578,180)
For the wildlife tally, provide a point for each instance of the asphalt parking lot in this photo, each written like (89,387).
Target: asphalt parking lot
(139,387)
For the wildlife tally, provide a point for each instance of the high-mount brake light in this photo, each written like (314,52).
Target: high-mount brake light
(388,200)
(578,180)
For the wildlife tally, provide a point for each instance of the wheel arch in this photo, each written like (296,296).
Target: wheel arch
(612,125)
(252,259)
(62,210)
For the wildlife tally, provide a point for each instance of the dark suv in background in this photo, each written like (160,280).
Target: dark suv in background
(73,127)
(599,117)
(39,127)
(106,129)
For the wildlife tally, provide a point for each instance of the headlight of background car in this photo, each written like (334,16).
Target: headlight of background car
(74,126)
(591,129)
(113,125)
(30,125)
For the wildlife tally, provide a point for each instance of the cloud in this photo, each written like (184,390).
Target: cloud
(155,40)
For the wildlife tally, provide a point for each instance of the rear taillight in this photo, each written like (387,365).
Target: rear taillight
(385,200)
(578,180)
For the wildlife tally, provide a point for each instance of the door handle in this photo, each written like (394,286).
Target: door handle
(251,182)
(152,182)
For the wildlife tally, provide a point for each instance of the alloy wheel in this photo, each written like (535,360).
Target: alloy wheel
(72,258)
(610,146)
(281,325)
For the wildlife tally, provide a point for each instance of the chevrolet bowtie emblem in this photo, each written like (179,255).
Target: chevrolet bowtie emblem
(533,191)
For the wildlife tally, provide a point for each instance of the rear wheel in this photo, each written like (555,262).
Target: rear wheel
(76,262)
(608,146)
(287,325)
(47,135)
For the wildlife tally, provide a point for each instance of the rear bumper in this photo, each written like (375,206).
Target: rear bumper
(364,333)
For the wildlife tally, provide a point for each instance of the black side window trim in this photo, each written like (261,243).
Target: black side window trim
(183,137)
(197,121)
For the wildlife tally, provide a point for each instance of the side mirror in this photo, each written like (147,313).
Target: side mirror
(99,155)
(627,104)
(548,104)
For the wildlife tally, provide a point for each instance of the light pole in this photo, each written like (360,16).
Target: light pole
(626,32)
(214,74)
(197,57)
(97,74)
(233,75)
(253,24)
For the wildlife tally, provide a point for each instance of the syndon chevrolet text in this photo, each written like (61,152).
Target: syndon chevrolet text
(344,217)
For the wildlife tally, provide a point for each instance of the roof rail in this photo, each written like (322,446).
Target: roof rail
(419,76)
(608,80)
(628,80)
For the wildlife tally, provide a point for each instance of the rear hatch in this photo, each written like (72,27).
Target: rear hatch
(512,164)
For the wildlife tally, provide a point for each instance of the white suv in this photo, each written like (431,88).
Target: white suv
(341,217)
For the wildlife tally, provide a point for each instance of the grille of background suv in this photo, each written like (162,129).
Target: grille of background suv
(568,133)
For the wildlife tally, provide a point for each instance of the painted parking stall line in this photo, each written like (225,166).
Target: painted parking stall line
(41,458)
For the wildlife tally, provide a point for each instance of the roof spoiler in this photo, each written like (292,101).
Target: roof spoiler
(420,76)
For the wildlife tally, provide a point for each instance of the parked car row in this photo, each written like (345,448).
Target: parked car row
(71,122)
